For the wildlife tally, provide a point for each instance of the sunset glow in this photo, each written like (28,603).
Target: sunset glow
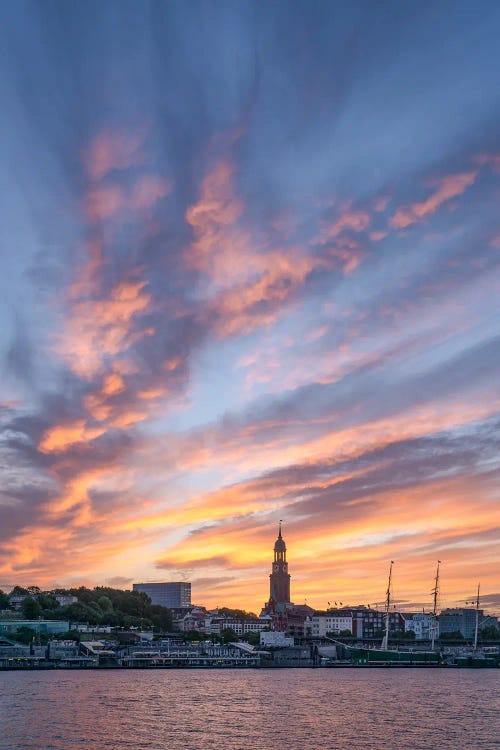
(245,287)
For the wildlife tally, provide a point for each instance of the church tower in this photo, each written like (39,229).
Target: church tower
(279,594)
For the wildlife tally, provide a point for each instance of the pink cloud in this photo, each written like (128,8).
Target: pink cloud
(377,236)
(347,255)
(447,187)
(104,202)
(381,203)
(316,333)
(100,328)
(489,160)
(113,150)
(148,190)
(357,221)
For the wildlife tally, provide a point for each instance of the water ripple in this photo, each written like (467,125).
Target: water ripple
(336,709)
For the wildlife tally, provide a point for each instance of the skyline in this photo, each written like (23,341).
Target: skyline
(250,268)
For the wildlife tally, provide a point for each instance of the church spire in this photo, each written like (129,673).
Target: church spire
(280,577)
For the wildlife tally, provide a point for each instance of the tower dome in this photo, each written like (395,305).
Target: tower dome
(279,545)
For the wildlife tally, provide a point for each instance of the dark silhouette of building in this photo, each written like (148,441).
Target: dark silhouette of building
(279,580)
(286,616)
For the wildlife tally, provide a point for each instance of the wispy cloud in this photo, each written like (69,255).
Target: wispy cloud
(445,188)
(247,291)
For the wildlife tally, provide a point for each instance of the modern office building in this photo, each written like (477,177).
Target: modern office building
(174,595)
(460,620)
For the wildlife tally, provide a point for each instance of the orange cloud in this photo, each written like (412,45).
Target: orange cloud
(413,525)
(151,393)
(217,204)
(259,302)
(96,405)
(113,383)
(446,188)
(249,282)
(220,249)
(60,437)
(101,327)
(129,417)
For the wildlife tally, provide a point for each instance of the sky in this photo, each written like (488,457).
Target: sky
(250,271)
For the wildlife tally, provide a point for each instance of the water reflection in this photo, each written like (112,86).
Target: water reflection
(240,709)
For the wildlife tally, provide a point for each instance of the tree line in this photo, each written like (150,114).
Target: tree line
(101,605)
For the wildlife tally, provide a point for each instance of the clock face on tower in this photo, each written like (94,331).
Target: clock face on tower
(275,566)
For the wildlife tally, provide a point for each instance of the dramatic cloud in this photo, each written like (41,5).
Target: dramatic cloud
(246,277)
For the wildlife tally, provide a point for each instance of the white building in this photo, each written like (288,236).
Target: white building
(241,626)
(421,624)
(321,625)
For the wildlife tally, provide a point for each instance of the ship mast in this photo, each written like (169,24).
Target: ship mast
(385,640)
(435,592)
(477,618)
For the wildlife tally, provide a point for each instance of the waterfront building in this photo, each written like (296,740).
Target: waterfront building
(84,627)
(421,624)
(196,619)
(213,623)
(65,650)
(363,622)
(240,625)
(39,626)
(293,656)
(275,639)
(296,620)
(461,620)
(171,594)
(331,622)
(370,623)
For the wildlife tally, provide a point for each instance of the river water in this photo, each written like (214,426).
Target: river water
(288,709)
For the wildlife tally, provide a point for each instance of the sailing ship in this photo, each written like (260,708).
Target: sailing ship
(383,656)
